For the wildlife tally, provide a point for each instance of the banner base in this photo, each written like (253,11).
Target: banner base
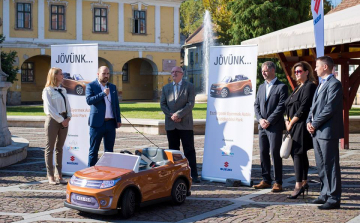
(222,180)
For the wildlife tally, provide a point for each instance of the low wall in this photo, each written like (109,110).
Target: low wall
(148,126)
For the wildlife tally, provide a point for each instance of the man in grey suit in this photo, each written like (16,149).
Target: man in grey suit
(177,101)
(325,124)
(269,111)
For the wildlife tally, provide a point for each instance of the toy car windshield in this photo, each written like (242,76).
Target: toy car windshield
(226,79)
(78,77)
(120,160)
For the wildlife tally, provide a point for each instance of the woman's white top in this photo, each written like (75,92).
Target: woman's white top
(54,103)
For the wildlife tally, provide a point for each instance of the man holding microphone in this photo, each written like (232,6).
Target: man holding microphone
(104,113)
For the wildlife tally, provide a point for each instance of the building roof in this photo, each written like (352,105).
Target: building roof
(196,37)
(344,5)
(340,27)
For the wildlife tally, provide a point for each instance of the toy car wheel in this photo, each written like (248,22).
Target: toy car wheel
(128,203)
(247,90)
(178,192)
(79,90)
(224,92)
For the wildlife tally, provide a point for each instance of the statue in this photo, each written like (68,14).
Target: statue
(5,135)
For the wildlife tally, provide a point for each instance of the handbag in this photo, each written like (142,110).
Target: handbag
(286,145)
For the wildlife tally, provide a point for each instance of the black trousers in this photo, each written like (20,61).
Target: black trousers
(301,165)
(187,141)
(270,142)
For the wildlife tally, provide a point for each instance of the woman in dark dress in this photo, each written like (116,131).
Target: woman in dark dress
(297,110)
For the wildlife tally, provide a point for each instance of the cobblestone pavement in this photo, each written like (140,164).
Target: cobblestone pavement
(27,197)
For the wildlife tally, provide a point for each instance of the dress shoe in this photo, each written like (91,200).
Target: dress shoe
(318,201)
(61,181)
(262,185)
(196,180)
(301,191)
(52,181)
(328,206)
(277,188)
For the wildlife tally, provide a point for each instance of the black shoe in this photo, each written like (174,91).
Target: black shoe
(196,180)
(318,201)
(328,206)
(301,191)
(306,187)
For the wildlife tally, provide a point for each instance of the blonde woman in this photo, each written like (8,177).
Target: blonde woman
(58,114)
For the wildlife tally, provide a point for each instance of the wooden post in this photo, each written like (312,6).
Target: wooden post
(346,103)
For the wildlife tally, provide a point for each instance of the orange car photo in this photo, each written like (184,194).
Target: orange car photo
(229,85)
(122,182)
(74,84)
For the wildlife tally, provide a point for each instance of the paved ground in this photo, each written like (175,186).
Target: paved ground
(26,196)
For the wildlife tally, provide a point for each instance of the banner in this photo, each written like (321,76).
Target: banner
(79,64)
(229,132)
(317,9)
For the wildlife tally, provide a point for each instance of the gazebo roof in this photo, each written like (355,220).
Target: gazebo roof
(340,28)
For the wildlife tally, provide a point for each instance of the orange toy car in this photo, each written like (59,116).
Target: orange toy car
(75,84)
(239,84)
(120,182)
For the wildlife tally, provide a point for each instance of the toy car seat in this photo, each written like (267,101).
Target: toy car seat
(156,155)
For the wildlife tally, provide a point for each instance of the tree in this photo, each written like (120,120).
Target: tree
(220,18)
(191,16)
(7,61)
(253,18)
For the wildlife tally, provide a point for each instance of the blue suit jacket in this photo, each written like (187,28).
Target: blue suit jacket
(272,108)
(326,111)
(95,97)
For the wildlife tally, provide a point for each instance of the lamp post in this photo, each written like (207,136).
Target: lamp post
(5,135)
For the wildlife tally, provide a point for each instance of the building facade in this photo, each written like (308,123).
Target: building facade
(138,40)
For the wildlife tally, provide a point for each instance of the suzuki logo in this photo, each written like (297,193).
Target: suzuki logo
(72,158)
(226,164)
(317,6)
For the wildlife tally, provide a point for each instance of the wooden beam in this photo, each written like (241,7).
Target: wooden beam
(354,82)
(313,52)
(328,49)
(346,102)
(287,69)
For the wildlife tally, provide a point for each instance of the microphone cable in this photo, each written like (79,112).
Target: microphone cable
(107,85)
(139,131)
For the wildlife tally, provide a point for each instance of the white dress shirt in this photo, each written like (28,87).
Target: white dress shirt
(269,86)
(108,111)
(54,103)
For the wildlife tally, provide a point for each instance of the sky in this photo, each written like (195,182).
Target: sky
(335,2)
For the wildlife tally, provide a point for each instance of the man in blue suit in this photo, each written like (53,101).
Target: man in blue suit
(325,124)
(104,113)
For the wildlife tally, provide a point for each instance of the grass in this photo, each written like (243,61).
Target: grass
(129,110)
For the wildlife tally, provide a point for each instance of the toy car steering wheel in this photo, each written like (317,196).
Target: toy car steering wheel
(126,151)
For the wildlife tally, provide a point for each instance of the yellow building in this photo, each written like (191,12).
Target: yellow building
(138,40)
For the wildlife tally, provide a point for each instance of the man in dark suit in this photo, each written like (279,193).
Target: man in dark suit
(269,111)
(325,124)
(177,101)
(104,113)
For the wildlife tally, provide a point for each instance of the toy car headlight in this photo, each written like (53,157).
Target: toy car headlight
(72,180)
(108,183)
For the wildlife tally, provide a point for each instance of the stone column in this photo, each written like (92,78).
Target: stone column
(5,135)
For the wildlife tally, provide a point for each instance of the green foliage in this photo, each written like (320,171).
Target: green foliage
(7,61)
(221,19)
(191,16)
(253,18)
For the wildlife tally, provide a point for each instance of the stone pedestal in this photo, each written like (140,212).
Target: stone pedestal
(5,135)
(201,98)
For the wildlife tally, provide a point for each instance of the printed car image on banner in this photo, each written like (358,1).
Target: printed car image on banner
(79,64)
(229,132)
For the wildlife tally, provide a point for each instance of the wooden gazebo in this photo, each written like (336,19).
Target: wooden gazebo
(342,43)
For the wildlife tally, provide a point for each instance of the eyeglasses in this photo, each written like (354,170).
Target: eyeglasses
(298,71)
